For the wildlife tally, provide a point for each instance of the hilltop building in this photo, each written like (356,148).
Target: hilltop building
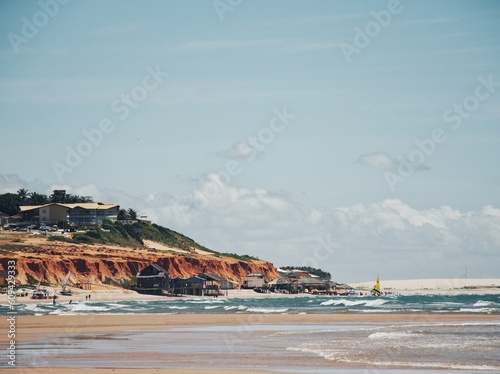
(78,214)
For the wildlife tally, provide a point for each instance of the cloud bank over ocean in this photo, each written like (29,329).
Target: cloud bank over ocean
(354,243)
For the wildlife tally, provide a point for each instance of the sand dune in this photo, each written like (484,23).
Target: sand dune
(435,285)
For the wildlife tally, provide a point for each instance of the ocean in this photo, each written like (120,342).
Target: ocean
(487,304)
(342,347)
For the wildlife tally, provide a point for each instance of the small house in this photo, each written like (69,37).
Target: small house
(153,279)
(212,283)
(255,280)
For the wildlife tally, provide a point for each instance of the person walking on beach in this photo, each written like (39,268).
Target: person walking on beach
(54,300)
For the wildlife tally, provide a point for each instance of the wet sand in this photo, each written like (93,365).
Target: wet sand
(133,371)
(124,339)
(216,371)
(34,327)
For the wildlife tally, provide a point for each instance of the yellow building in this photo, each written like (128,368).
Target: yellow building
(72,214)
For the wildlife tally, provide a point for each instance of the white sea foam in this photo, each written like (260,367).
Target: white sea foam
(211,306)
(479,310)
(178,307)
(35,307)
(339,355)
(205,301)
(376,302)
(118,305)
(484,303)
(83,307)
(392,335)
(267,310)
(434,365)
(345,302)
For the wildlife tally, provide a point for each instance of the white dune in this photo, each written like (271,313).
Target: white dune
(435,285)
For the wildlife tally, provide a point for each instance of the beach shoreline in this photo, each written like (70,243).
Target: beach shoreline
(39,336)
(34,327)
(56,331)
(400,287)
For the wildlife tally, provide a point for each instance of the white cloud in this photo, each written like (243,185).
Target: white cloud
(378,160)
(383,161)
(354,243)
(238,150)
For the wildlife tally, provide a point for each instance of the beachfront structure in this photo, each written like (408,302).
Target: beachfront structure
(204,284)
(212,283)
(3,278)
(78,214)
(254,280)
(4,219)
(193,286)
(153,279)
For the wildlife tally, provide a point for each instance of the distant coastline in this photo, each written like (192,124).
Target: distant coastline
(435,286)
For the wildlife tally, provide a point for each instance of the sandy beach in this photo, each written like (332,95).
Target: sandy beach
(34,327)
(34,330)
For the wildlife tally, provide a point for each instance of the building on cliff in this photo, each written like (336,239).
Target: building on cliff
(153,279)
(78,214)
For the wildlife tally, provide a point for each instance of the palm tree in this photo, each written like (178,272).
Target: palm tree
(132,213)
(22,193)
(34,198)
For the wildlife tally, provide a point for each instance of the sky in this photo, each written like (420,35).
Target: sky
(359,137)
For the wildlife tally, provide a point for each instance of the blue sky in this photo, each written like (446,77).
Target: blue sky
(182,87)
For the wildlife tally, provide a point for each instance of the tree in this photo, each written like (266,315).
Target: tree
(22,193)
(58,196)
(122,214)
(132,213)
(34,198)
(9,203)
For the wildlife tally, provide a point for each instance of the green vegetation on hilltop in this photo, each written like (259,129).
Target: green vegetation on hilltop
(10,202)
(133,235)
(318,272)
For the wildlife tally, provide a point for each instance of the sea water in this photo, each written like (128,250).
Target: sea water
(467,304)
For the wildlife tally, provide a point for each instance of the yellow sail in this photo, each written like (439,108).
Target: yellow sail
(376,287)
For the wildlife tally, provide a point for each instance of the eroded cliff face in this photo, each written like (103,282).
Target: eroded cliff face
(99,264)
